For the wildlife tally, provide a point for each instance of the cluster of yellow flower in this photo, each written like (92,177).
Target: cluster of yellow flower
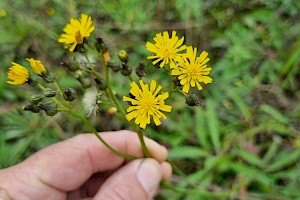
(19,75)
(189,69)
(146,100)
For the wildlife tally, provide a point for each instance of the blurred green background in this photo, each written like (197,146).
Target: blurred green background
(243,142)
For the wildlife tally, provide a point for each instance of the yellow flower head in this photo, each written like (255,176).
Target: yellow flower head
(146,103)
(36,66)
(192,70)
(76,31)
(166,49)
(17,74)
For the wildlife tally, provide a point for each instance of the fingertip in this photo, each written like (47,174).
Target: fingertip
(138,179)
(167,170)
(157,151)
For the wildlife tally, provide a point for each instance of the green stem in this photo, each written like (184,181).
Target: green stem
(113,98)
(58,88)
(89,62)
(95,132)
(143,144)
(89,125)
(130,78)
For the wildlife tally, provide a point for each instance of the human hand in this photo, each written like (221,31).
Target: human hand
(83,167)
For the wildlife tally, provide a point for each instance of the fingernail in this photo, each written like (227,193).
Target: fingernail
(149,175)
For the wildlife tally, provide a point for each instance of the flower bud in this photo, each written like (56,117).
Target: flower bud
(48,92)
(49,107)
(71,66)
(106,56)
(32,107)
(126,70)
(176,81)
(112,110)
(114,66)
(48,77)
(123,56)
(101,84)
(69,94)
(140,70)
(100,45)
(32,81)
(192,100)
(80,48)
(36,98)
(85,82)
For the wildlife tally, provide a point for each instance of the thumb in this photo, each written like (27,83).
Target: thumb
(138,180)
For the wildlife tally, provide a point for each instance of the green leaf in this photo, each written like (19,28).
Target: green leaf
(284,159)
(241,105)
(201,128)
(252,173)
(249,157)
(187,152)
(274,113)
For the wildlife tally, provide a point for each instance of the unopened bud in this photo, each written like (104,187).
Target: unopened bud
(32,107)
(80,48)
(85,82)
(69,94)
(157,65)
(100,45)
(176,81)
(192,100)
(140,70)
(112,110)
(114,66)
(49,107)
(106,56)
(48,92)
(71,66)
(36,98)
(123,56)
(126,70)
(32,81)
(101,84)
(48,77)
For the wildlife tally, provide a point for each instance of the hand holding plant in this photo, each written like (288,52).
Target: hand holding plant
(148,101)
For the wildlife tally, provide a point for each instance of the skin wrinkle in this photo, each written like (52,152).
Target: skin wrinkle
(34,171)
(23,176)
(38,159)
(4,194)
(90,159)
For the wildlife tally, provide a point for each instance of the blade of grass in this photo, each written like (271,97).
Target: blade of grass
(187,152)
(213,124)
(201,128)
(272,150)
(249,157)
(284,159)
(241,105)
(274,113)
